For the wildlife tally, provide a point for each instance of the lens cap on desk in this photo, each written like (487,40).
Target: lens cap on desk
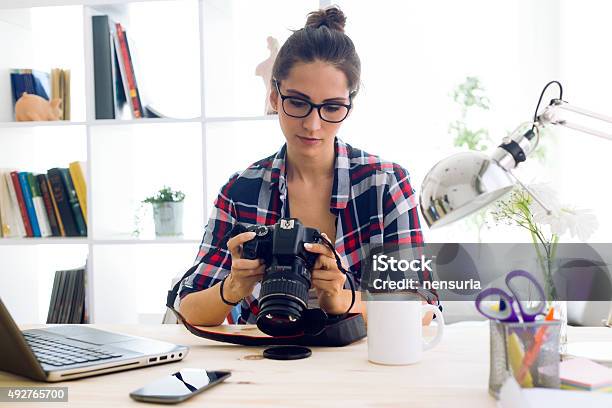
(287,352)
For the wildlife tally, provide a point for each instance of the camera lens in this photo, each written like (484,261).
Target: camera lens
(282,303)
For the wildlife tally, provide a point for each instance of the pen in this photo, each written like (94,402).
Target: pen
(531,355)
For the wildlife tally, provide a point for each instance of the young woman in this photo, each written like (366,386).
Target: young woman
(354,198)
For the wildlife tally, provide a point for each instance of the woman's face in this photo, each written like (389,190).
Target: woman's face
(317,82)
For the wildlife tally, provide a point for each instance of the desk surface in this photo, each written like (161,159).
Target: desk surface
(455,374)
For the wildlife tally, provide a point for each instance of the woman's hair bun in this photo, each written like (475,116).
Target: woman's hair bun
(331,17)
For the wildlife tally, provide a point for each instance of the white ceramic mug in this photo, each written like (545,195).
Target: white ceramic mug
(395,331)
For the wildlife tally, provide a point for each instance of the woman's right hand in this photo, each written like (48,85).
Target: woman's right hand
(245,272)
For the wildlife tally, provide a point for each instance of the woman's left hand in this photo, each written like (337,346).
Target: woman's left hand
(327,279)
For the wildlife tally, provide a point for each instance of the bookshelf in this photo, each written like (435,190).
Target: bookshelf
(127,159)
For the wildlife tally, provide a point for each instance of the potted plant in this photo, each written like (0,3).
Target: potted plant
(167,211)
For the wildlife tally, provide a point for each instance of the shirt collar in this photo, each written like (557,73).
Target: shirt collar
(342,181)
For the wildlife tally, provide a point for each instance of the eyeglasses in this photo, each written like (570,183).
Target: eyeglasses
(300,108)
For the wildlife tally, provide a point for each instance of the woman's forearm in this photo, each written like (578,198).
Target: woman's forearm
(205,307)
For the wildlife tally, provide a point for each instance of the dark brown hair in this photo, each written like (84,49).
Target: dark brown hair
(323,39)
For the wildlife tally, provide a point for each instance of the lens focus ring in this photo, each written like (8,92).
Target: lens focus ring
(284,287)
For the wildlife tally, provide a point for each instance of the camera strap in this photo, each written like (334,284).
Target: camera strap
(341,267)
(337,331)
(318,323)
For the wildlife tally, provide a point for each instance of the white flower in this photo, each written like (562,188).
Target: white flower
(580,223)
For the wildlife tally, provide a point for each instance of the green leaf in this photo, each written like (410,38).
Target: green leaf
(165,195)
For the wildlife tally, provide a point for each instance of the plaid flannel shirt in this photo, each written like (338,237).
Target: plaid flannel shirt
(372,199)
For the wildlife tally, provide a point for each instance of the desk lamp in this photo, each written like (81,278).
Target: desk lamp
(466,182)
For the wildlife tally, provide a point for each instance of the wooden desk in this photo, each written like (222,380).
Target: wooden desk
(454,374)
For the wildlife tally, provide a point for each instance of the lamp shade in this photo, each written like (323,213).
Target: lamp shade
(460,185)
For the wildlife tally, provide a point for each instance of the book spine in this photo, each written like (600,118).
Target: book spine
(78,179)
(65,297)
(74,203)
(63,204)
(27,198)
(61,293)
(21,202)
(104,84)
(53,300)
(8,228)
(17,228)
(39,207)
(133,95)
(6,225)
(44,189)
(20,85)
(77,309)
(66,94)
(60,225)
(66,310)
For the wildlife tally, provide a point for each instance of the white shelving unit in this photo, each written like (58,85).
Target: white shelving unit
(196,151)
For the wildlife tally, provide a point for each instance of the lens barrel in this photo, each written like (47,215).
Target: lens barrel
(282,301)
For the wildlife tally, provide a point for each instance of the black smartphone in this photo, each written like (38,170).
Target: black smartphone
(179,386)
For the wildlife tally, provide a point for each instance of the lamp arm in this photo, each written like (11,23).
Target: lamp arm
(556,114)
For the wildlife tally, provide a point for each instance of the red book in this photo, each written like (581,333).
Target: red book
(22,206)
(129,72)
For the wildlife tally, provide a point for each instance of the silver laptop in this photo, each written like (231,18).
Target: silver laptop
(62,353)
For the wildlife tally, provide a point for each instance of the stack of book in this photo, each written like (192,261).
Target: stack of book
(114,75)
(44,205)
(47,86)
(68,300)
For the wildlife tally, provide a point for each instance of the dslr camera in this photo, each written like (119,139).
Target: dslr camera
(283,299)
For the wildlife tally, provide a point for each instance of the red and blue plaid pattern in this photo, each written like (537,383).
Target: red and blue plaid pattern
(372,199)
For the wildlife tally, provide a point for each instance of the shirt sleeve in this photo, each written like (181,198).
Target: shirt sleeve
(401,219)
(213,256)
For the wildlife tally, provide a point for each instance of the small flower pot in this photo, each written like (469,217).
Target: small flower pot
(168,219)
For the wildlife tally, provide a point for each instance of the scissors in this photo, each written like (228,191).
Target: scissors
(508,304)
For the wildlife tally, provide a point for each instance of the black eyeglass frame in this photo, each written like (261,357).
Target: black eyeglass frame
(313,105)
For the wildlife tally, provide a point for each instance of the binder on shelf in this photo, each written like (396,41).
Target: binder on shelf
(107,102)
(77,312)
(85,298)
(62,201)
(44,189)
(17,197)
(77,173)
(63,297)
(27,198)
(74,203)
(68,297)
(54,302)
(39,206)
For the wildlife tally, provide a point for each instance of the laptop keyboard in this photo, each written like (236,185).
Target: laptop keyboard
(54,352)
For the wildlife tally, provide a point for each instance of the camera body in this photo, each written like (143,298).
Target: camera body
(283,299)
